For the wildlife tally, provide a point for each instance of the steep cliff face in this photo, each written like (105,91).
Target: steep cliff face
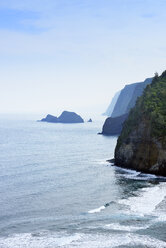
(142,143)
(137,93)
(113,126)
(128,97)
(112,104)
(125,102)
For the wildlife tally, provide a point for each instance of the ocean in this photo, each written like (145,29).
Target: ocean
(57,190)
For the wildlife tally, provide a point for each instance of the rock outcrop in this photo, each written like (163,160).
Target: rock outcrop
(142,143)
(65,117)
(125,102)
(90,120)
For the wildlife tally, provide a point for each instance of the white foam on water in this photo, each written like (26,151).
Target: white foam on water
(147,200)
(128,171)
(139,176)
(142,176)
(100,162)
(118,227)
(96,210)
(80,240)
(133,174)
(113,240)
(27,240)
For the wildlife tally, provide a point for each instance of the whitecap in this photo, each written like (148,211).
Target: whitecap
(96,210)
(53,240)
(147,200)
(127,171)
(119,227)
(44,240)
(137,175)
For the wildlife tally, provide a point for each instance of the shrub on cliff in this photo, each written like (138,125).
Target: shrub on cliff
(151,107)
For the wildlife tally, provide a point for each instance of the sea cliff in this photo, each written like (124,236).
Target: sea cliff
(125,101)
(142,143)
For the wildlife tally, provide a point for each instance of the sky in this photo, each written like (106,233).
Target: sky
(75,55)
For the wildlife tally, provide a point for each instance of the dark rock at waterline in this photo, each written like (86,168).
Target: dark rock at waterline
(111,160)
(90,120)
(65,117)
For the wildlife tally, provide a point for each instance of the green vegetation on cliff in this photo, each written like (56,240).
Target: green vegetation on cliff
(150,108)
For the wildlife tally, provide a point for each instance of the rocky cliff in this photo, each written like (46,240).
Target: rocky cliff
(126,100)
(142,143)
(138,90)
(110,108)
(128,97)
(123,100)
(113,126)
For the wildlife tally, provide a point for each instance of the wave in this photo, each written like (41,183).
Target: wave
(119,227)
(42,240)
(137,175)
(96,210)
(52,240)
(147,200)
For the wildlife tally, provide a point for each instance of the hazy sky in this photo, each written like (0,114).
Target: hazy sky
(75,54)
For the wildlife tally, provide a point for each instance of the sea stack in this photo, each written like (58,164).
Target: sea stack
(50,118)
(90,120)
(142,143)
(65,117)
(70,117)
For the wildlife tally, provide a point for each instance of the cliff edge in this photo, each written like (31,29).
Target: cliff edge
(142,143)
(126,100)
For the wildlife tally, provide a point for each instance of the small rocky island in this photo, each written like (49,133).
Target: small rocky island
(65,117)
(90,120)
(142,143)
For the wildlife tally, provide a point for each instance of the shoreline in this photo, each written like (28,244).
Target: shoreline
(112,162)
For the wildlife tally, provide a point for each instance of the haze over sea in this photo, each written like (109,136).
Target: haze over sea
(57,190)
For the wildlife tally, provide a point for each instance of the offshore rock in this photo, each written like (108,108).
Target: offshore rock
(50,118)
(70,117)
(65,117)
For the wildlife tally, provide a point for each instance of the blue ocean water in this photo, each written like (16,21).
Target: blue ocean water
(57,190)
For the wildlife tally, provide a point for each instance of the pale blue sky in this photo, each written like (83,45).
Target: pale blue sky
(75,54)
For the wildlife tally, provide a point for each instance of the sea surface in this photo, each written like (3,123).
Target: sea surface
(57,190)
